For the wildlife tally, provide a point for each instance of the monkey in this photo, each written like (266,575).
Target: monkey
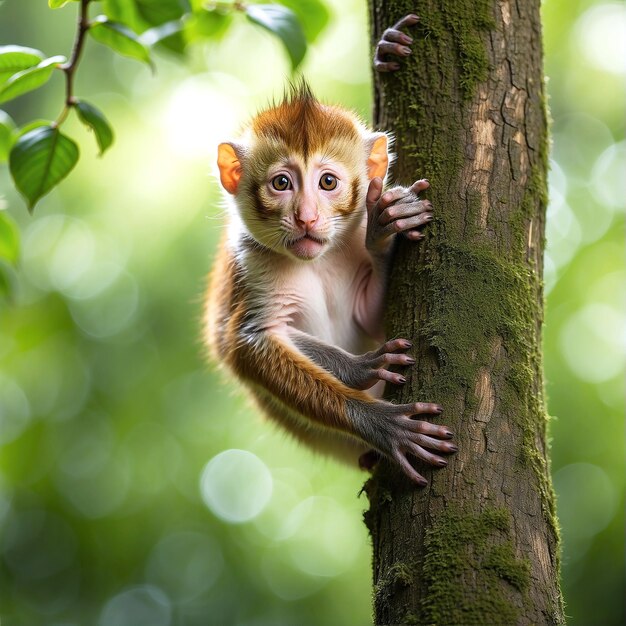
(296,297)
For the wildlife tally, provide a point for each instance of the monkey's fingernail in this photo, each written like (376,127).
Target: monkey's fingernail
(395,66)
(410,360)
(423,483)
(449,434)
(407,344)
(407,39)
(405,51)
(401,379)
(453,448)
(439,408)
(442,462)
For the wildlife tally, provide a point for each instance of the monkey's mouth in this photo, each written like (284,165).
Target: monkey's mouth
(306,247)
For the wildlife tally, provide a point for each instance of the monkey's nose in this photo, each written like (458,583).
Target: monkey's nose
(307,220)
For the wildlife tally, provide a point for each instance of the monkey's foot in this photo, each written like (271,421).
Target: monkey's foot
(408,437)
(394,43)
(368,460)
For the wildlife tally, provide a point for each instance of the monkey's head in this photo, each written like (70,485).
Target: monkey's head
(300,173)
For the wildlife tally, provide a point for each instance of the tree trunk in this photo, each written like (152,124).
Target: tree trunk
(480,544)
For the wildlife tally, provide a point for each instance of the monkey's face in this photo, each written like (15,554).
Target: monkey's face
(302,206)
(300,173)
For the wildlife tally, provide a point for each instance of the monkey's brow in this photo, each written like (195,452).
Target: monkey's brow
(286,160)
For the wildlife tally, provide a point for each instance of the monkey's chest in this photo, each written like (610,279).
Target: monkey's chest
(324,308)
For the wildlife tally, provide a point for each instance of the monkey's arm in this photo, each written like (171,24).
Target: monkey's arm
(398,210)
(356,371)
(270,359)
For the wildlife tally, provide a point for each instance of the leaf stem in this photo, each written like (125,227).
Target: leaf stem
(70,67)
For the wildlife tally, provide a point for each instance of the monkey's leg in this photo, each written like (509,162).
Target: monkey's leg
(357,371)
(268,359)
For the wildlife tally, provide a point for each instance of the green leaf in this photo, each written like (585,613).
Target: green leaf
(206,25)
(154,35)
(96,121)
(29,79)
(122,11)
(7,135)
(57,4)
(119,38)
(14,59)
(157,12)
(39,160)
(31,126)
(312,14)
(142,15)
(283,23)
(9,239)
(168,36)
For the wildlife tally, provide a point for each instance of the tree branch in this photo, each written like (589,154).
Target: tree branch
(70,67)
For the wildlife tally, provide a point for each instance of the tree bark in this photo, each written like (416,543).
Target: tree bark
(480,544)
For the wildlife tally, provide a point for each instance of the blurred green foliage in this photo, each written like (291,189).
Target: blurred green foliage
(137,486)
(40,157)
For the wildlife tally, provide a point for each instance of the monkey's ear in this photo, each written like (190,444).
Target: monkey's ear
(378,159)
(229,163)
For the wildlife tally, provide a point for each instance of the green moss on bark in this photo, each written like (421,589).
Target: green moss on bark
(399,575)
(467,278)
(466,22)
(454,33)
(458,546)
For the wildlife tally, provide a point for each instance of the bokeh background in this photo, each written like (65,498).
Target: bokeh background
(137,485)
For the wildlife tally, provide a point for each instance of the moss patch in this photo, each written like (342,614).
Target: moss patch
(453,37)
(467,21)
(398,575)
(470,279)
(458,546)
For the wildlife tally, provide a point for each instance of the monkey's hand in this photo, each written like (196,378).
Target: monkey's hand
(394,43)
(391,429)
(398,210)
(357,371)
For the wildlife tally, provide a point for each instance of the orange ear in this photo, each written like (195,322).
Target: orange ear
(230,166)
(378,159)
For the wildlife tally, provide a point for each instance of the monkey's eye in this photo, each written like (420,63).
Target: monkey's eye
(328,182)
(281,183)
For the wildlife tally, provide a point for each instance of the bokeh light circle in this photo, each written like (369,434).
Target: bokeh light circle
(592,342)
(599,34)
(236,485)
(586,500)
(144,605)
(186,564)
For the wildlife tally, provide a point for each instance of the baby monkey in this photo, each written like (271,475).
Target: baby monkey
(296,298)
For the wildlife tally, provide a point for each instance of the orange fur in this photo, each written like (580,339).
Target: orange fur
(303,124)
